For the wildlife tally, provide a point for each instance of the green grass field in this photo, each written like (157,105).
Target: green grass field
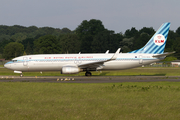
(107,101)
(150,71)
(102,101)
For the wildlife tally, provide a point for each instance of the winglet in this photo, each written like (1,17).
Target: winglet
(115,54)
(100,63)
(107,52)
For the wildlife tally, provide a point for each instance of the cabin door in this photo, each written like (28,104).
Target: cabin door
(140,59)
(25,61)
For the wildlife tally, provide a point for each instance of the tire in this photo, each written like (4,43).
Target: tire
(88,74)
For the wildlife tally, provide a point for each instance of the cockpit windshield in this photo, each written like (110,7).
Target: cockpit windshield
(14,60)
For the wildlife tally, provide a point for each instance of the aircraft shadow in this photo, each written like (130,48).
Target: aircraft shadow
(105,73)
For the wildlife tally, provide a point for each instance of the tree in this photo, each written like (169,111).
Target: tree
(4,37)
(142,37)
(100,42)
(86,32)
(12,50)
(140,41)
(66,30)
(69,43)
(32,29)
(19,37)
(28,49)
(106,40)
(176,47)
(28,45)
(126,44)
(178,32)
(169,44)
(131,33)
(47,44)
(3,43)
(149,31)
(170,58)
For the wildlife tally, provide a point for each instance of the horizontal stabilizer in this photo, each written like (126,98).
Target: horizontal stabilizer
(165,54)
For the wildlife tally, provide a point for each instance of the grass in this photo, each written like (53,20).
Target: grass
(153,71)
(69,101)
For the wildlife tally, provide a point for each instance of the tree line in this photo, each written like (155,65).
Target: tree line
(89,37)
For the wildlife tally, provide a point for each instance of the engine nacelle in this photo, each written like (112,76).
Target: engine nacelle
(70,70)
(17,71)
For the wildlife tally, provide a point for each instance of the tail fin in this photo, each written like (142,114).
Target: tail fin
(157,43)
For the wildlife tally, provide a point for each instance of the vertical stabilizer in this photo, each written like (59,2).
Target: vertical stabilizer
(157,43)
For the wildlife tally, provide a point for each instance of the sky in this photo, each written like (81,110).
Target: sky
(116,15)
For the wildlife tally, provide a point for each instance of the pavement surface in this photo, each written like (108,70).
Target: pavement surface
(92,79)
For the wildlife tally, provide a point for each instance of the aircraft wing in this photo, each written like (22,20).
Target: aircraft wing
(99,63)
(164,54)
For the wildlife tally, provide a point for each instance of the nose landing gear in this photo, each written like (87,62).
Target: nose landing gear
(21,75)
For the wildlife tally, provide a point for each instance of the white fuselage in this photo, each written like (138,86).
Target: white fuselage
(55,62)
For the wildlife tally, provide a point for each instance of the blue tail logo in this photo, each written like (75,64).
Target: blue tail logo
(157,43)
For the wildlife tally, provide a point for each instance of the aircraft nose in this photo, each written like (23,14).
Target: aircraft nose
(6,65)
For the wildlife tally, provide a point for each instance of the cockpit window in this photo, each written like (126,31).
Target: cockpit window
(14,60)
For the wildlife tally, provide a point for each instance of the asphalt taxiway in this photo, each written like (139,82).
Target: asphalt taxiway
(92,79)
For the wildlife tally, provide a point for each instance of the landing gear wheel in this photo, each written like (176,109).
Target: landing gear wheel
(88,73)
(21,75)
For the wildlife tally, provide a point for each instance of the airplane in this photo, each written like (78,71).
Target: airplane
(153,51)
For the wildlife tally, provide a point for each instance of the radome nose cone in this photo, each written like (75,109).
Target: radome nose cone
(6,65)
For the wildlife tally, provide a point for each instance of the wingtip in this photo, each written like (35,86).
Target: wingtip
(115,54)
(118,50)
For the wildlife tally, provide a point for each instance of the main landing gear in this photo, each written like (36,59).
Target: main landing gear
(88,73)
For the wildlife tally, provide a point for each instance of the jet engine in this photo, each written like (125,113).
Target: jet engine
(70,70)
